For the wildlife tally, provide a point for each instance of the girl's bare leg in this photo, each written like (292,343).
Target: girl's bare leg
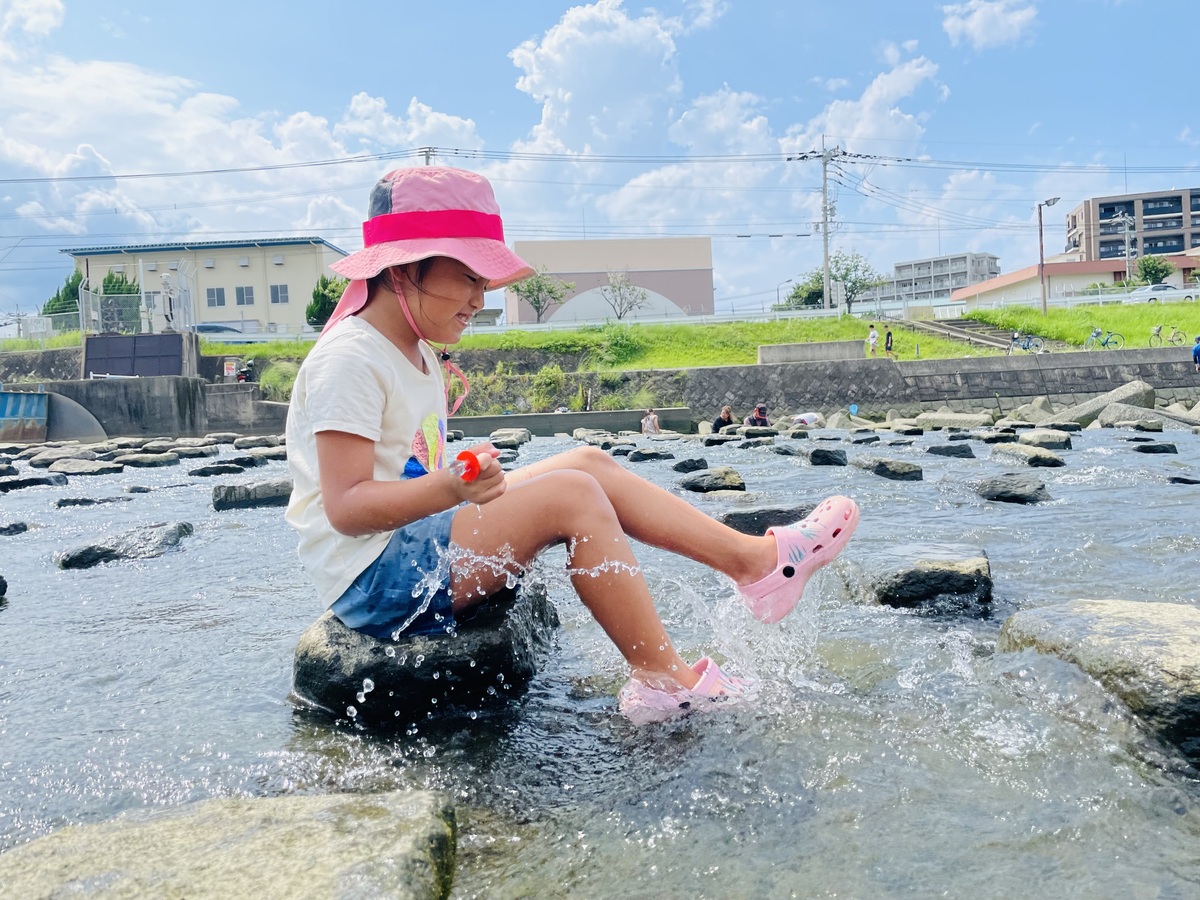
(657,517)
(567,505)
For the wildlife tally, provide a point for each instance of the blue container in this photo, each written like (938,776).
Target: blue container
(23,416)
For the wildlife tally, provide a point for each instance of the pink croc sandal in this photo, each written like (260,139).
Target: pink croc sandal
(659,698)
(803,547)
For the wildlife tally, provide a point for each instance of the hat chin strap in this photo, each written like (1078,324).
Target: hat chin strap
(443,354)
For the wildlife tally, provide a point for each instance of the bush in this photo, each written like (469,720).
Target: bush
(277,379)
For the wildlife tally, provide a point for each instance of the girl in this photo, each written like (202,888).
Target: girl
(380,510)
(725,418)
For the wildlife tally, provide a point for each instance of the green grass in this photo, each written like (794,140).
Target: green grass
(56,342)
(1072,326)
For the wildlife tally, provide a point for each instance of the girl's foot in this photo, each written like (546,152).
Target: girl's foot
(802,548)
(658,697)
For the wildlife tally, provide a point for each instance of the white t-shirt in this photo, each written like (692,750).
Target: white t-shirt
(873,337)
(355,380)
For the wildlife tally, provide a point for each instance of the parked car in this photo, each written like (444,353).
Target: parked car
(1153,293)
(208,328)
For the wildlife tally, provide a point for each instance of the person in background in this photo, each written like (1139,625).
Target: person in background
(725,418)
(650,423)
(758,417)
(873,340)
(888,350)
(1196,353)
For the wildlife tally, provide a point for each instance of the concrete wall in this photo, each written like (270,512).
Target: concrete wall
(678,419)
(163,405)
(815,350)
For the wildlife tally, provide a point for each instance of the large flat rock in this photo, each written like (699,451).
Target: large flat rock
(399,844)
(1148,654)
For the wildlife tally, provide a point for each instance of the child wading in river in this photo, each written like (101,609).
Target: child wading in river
(379,506)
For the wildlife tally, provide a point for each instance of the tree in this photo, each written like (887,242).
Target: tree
(66,298)
(325,297)
(117,283)
(1154,269)
(851,269)
(808,293)
(542,291)
(120,304)
(855,274)
(623,296)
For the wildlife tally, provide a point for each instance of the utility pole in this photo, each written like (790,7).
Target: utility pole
(428,152)
(1126,225)
(826,287)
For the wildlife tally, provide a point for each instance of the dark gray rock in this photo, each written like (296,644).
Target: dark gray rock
(508,457)
(7,471)
(755,431)
(212,450)
(3,587)
(1013,487)
(13,528)
(1000,436)
(892,469)
(722,478)
(147,460)
(1171,479)
(141,543)
(246,462)
(54,479)
(247,443)
(825,456)
(276,492)
(216,469)
(937,585)
(757,521)
(137,489)
(756,442)
(649,455)
(690,465)
(785,450)
(716,440)
(862,439)
(622,450)
(1156,447)
(88,501)
(485,665)
(85,467)
(960,450)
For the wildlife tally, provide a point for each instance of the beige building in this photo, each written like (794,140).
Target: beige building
(1066,283)
(675,273)
(1155,223)
(212,286)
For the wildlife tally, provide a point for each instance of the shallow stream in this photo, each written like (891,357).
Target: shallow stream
(888,755)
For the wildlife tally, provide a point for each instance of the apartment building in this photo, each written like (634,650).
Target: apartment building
(247,286)
(1161,222)
(930,282)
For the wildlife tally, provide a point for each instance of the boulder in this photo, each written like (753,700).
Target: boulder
(1156,447)
(1144,652)
(961,449)
(649,455)
(1013,487)
(715,440)
(722,478)
(216,469)
(54,479)
(147,460)
(209,450)
(276,492)
(249,443)
(510,438)
(391,844)
(756,442)
(863,439)
(1046,438)
(13,528)
(1030,456)
(825,456)
(267,453)
(784,450)
(757,431)
(484,665)
(222,437)
(893,470)
(7,470)
(694,464)
(1135,393)
(140,543)
(940,585)
(994,436)
(906,430)
(46,458)
(1118,415)
(72,466)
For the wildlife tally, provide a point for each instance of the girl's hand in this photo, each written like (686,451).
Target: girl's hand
(488,484)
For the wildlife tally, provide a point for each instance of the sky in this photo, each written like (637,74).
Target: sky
(140,122)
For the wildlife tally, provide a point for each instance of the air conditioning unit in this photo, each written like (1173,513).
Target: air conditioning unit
(277,259)
(243,261)
(151,267)
(210,263)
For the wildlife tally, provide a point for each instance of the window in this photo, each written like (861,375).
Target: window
(279,293)
(245,296)
(277,259)
(215,296)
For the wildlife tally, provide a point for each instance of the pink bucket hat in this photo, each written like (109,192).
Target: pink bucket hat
(429,211)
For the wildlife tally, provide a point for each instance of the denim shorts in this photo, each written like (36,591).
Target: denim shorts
(407,589)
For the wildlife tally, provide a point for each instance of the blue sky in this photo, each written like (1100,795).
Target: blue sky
(607,119)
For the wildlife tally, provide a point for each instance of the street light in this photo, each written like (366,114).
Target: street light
(781,284)
(1042,250)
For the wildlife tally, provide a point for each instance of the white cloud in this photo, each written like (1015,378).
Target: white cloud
(33,17)
(832,85)
(988,23)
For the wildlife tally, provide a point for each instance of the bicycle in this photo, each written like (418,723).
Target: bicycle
(1110,341)
(1030,343)
(1176,337)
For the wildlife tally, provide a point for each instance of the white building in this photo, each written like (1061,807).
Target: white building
(931,282)
(248,286)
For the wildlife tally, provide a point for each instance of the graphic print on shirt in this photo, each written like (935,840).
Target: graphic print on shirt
(428,447)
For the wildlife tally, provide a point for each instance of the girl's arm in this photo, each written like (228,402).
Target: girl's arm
(358,504)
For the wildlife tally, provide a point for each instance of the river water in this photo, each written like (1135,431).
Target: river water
(888,754)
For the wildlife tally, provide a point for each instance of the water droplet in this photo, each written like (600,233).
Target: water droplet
(420,659)
(368,685)
(437,675)
(389,651)
(351,711)
(360,697)
(473,664)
